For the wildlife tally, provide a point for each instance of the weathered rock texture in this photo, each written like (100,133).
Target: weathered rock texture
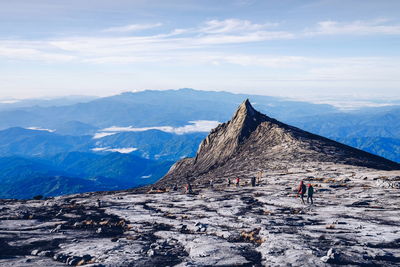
(353,222)
(252,141)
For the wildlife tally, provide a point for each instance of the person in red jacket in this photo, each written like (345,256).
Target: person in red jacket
(189,189)
(237,181)
(302,191)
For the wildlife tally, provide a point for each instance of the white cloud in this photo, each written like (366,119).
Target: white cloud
(243,38)
(191,45)
(146,48)
(232,25)
(101,135)
(125,150)
(351,69)
(133,27)
(354,28)
(9,101)
(193,127)
(32,53)
(263,60)
(197,126)
(40,129)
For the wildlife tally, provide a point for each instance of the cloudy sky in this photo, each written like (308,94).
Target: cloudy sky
(300,49)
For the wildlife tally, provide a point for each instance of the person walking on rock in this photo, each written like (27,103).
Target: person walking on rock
(237,181)
(310,193)
(302,191)
(211,183)
(229,182)
(253,181)
(189,189)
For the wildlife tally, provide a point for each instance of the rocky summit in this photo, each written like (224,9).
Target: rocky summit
(354,220)
(252,142)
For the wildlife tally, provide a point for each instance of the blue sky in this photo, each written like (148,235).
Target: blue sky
(308,49)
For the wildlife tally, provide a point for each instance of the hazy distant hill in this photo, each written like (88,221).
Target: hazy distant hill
(378,122)
(51,102)
(76,173)
(382,146)
(151,144)
(75,128)
(155,144)
(25,142)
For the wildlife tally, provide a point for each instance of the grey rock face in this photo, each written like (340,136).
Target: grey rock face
(252,141)
(354,224)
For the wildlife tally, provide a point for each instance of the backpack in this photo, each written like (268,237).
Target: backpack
(303,189)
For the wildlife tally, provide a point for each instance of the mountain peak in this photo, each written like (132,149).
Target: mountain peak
(251,141)
(245,109)
(227,137)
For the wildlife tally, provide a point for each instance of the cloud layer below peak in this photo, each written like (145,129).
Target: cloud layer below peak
(192,127)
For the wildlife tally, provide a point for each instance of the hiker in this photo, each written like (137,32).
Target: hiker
(301,191)
(237,181)
(211,183)
(98,203)
(175,188)
(253,181)
(229,182)
(310,193)
(189,189)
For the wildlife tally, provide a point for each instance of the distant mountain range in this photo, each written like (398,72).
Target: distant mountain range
(159,127)
(7,104)
(153,108)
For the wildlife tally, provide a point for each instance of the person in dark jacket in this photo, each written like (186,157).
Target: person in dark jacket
(302,191)
(310,193)
(189,189)
(253,181)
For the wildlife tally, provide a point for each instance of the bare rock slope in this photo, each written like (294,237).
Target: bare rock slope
(252,141)
(354,222)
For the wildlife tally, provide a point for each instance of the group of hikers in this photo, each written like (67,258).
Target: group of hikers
(302,190)
(254,180)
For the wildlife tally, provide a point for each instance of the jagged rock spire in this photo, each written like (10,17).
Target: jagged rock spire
(223,141)
(251,141)
(245,108)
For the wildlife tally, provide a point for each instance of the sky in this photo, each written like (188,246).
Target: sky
(308,49)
